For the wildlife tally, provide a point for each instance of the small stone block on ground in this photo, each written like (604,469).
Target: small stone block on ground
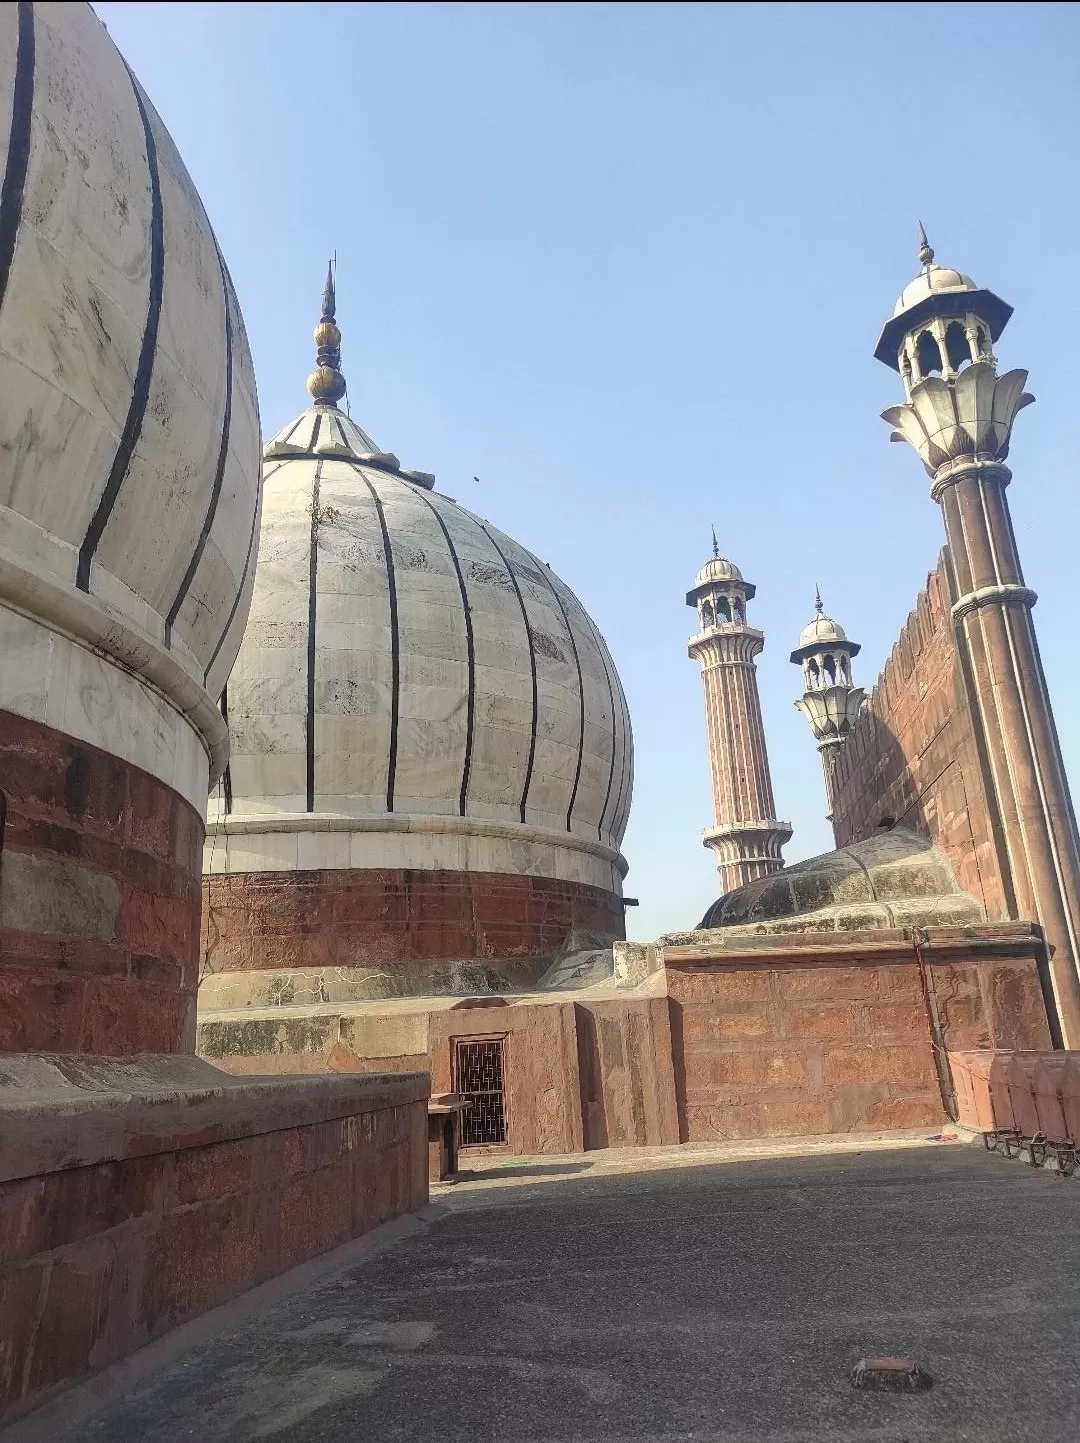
(890,1375)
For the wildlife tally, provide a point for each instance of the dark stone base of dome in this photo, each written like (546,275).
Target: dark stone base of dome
(99,900)
(404,932)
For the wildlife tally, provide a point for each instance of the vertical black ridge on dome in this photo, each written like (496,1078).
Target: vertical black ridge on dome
(313,577)
(620,815)
(140,392)
(602,653)
(470,648)
(18,156)
(226,776)
(291,432)
(395,647)
(243,578)
(532,666)
(223,455)
(544,570)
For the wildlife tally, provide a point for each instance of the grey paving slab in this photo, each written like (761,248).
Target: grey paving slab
(714,1302)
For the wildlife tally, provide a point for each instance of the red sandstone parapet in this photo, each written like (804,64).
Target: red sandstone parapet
(1032,1091)
(807,1034)
(136,1194)
(913,756)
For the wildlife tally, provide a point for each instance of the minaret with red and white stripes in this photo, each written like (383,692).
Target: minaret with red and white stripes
(746,837)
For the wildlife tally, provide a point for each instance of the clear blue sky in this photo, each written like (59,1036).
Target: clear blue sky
(627,264)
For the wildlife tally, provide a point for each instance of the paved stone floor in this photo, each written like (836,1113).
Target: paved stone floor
(713,1302)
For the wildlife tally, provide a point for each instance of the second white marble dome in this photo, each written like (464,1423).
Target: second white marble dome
(406,657)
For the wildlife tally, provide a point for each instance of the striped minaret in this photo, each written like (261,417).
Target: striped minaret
(958,418)
(746,836)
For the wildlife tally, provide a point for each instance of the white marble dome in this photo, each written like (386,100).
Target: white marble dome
(129,432)
(717,569)
(932,280)
(822,631)
(408,666)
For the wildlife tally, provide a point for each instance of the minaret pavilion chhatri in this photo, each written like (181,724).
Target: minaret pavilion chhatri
(431,762)
(831,702)
(746,837)
(958,417)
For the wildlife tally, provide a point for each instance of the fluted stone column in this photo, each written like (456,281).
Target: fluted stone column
(746,837)
(996,628)
(960,423)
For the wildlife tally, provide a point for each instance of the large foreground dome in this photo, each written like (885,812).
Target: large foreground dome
(129,432)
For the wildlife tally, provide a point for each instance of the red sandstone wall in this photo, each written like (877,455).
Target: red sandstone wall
(584,1074)
(97,1261)
(626,1073)
(814,1047)
(913,756)
(99,900)
(281,920)
(540,1080)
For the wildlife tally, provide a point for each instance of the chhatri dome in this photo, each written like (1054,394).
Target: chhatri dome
(942,320)
(821,629)
(417,691)
(932,280)
(717,568)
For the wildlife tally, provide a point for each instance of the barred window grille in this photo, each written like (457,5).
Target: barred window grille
(478,1075)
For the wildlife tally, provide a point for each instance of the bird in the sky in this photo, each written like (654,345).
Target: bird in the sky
(476,479)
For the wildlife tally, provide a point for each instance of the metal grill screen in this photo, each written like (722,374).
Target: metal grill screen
(478,1075)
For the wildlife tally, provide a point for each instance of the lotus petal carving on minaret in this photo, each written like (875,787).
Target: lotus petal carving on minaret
(970,415)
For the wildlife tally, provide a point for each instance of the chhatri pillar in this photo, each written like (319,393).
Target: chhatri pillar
(959,417)
(831,702)
(746,837)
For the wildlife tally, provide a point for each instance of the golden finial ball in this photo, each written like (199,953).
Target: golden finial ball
(325,384)
(326,334)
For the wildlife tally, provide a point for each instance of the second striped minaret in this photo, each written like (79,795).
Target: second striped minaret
(746,837)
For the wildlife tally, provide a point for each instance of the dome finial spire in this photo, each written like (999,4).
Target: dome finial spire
(926,250)
(819,605)
(715,545)
(329,299)
(326,384)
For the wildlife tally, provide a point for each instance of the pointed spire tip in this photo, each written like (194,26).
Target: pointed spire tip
(819,605)
(329,300)
(326,384)
(926,250)
(715,546)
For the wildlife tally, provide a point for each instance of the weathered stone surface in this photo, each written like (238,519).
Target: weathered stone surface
(354,933)
(135,1194)
(913,756)
(894,878)
(99,900)
(805,1040)
(42,894)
